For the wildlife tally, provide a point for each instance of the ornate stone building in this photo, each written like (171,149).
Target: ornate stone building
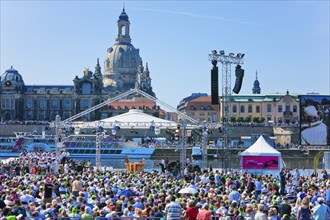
(123,70)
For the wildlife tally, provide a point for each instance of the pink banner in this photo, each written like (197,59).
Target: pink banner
(260,162)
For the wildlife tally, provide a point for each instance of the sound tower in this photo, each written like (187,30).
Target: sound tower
(214,86)
(239,73)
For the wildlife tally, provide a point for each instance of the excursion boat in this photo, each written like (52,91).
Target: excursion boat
(80,147)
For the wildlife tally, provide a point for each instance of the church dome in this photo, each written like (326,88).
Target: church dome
(11,75)
(123,16)
(122,59)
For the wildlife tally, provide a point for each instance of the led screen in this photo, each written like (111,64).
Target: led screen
(315,120)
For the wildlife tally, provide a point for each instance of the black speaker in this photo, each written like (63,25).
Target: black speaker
(239,73)
(214,86)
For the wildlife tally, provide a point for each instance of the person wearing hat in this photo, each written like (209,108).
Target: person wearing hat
(204,213)
(321,211)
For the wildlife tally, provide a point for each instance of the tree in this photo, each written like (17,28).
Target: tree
(239,119)
(247,118)
(262,120)
(233,119)
(255,119)
(316,161)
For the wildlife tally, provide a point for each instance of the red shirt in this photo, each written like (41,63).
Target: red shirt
(204,215)
(191,213)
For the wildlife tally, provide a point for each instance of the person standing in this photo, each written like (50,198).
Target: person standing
(260,215)
(173,210)
(284,208)
(204,213)
(48,191)
(191,211)
(321,211)
(76,187)
(282,181)
(304,213)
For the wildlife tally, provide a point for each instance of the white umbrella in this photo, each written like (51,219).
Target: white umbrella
(188,190)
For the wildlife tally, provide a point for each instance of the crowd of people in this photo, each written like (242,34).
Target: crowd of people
(92,194)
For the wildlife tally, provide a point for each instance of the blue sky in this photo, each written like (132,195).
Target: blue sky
(287,42)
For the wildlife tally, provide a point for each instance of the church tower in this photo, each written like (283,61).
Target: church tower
(122,65)
(256,85)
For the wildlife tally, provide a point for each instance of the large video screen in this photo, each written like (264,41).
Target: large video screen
(315,120)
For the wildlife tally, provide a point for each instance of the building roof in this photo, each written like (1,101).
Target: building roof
(138,119)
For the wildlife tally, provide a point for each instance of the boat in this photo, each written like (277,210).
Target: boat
(80,147)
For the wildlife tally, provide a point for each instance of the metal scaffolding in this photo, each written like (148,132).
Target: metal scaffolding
(226,61)
(183,152)
(204,148)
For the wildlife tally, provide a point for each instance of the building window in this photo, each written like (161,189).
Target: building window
(250,109)
(67,115)
(192,113)
(287,107)
(85,104)
(201,114)
(269,107)
(294,108)
(86,89)
(242,108)
(29,104)
(269,118)
(280,108)
(29,115)
(67,104)
(41,116)
(202,107)
(258,109)
(209,108)
(192,107)
(7,103)
(234,108)
(54,104)
(53,115)
(42,103)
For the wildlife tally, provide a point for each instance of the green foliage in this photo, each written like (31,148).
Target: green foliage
(247,118)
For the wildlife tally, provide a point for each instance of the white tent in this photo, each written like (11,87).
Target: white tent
(261,156)
(137,118)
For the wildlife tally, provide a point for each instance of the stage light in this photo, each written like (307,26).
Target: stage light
(231,54)
(214,51)
(239,55)
(222,52)
(242,55)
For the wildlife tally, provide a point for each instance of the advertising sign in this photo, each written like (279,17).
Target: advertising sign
(260,162)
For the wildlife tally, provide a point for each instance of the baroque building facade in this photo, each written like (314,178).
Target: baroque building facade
(123,70)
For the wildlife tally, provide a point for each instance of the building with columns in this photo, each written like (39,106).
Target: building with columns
(123,70)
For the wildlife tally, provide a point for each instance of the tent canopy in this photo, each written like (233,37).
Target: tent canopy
(261,148)
(261,156)
(138,118)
